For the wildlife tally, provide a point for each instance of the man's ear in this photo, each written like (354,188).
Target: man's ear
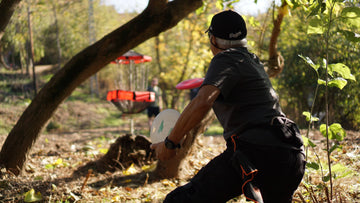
(213,41)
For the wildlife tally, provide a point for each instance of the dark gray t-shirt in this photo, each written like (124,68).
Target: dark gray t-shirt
(247,98)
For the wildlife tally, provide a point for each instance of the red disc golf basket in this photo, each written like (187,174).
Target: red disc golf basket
(130,97)
(131,102)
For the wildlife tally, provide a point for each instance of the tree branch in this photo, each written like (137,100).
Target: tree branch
(7,8)
(276,61)
(148,24)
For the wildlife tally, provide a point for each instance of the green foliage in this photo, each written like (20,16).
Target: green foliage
(31,196)
(222,4)
(183,53)
(297,81)
(308,142)
(313,165)
(322,22)
(214,129)
(351,16)
(309,117)
(333,70)
(336,132)
(72,22)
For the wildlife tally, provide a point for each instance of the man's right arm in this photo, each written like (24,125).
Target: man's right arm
(189,118)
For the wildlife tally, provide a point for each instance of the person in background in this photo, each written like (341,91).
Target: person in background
(155,107)
(264,159)
(193,92)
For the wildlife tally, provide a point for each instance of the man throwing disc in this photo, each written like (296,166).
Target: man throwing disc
(264,159)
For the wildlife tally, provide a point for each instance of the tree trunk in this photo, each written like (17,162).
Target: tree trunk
(159,16)
(7,8)
(2,60)
(172,168)
(276,60)
(56,23)
(31,50)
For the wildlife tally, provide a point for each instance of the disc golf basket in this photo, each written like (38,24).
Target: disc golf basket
(129,96)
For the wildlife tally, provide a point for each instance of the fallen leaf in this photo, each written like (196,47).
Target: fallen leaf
(30,196)
(131,170)
(149,168)
(166,182)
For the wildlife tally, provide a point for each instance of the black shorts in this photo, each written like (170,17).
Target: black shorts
(280,172)
(153,111)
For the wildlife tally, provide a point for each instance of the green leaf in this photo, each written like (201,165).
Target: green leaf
(290,3)
(310,62)
(308,142)
(314,8)
(338,82)
(351,16)
(311,143)
(316,26)
(326,178)
(323,129)
(338,132)
(313,165)
(350,36)
(321,82)
(49,166)
(335,131)
(309,117)
(335,146)
(342,70)
(30,196)
(219,4)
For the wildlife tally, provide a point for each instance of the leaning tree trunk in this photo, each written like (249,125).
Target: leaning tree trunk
(276,60)
(159,16)
(172,168)
(7,8)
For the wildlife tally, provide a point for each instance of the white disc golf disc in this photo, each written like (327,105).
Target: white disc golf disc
(162,125)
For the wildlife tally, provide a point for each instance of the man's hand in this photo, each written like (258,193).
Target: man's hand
(162,152)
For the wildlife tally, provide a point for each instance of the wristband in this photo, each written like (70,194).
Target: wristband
(170,144)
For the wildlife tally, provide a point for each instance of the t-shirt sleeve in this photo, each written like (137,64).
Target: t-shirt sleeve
(222,74)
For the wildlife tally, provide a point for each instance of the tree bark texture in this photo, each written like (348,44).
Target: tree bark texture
(159,16)
(276,60)
(7,8)
(172,168)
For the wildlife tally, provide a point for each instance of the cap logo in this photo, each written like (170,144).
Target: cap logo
(234,35)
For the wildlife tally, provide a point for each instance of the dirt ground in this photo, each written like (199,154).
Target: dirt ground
(52,172)
(54,160)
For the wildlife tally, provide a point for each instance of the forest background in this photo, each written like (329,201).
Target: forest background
(61,29)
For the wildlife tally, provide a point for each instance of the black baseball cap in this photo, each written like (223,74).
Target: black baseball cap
(228,25)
